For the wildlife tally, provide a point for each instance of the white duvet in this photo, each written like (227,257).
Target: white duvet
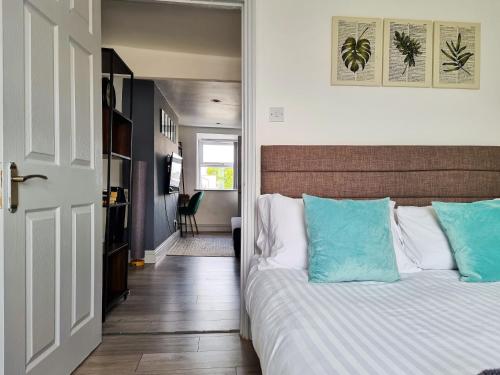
(427,323)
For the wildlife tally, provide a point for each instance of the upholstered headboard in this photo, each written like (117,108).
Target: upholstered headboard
(411,175)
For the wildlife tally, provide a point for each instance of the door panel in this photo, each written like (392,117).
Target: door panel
(83,10)
(82,307)
(41,81)
(52,126)
(42,284)
(82,111)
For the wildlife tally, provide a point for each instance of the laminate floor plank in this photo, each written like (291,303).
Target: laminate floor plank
(181,318)
(109,364)
(248,371)
(174,316)
(150,363)
(205,326)
(139,344)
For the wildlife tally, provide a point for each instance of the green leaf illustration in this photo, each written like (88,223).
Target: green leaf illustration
(458,58)
(356,53)
(408,47)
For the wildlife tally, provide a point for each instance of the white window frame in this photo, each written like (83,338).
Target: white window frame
(216,139)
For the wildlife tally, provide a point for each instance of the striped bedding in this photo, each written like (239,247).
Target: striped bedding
(427,323)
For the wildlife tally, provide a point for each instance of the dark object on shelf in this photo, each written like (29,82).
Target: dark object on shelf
(236,229)
(117,216)
(137,250)
(108,93)
(189,212)
(117,130)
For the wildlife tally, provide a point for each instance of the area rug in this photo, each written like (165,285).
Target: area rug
(203,246)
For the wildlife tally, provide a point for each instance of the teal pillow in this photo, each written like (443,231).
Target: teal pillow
(349,240)
(473,230)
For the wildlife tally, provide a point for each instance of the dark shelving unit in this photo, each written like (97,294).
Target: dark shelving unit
(117,132)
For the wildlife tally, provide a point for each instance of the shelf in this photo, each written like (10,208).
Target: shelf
(118,116)
(119,66)
(116,156)
(115,205)
(117,130)
(121,133)
(115,248)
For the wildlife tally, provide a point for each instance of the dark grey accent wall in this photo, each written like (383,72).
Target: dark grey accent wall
(165,205)
(152,147)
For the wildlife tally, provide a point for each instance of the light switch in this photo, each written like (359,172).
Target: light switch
(277,114)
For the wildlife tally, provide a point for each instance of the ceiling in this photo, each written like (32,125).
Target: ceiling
(193,103)
(172,27)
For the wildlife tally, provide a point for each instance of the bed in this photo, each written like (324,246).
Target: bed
(428,323)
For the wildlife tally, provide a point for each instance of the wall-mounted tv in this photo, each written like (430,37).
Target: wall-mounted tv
(174,171)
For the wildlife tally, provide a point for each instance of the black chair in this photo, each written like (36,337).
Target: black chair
(190,211)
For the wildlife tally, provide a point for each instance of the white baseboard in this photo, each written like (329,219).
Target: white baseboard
(153,256)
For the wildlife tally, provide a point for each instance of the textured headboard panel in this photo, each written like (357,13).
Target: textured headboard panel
(411,175)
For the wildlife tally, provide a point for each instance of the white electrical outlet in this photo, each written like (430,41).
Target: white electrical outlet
(277,114)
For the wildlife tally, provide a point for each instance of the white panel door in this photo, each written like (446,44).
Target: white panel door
(52,127)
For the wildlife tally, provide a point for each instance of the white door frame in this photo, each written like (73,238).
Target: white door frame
(249,157)
(3,202)
(249,147)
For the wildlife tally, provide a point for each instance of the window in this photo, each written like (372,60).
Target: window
(217,162)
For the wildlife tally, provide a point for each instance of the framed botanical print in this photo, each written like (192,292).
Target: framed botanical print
(457,49)
(357,51)
(408,53)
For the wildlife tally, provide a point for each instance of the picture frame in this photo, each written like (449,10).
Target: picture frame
(408,53)
(355,63)
(457,55)
(167,121)
(162,121)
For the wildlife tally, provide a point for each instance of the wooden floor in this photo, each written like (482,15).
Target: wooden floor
(182,317)
(179,295)
(189,354)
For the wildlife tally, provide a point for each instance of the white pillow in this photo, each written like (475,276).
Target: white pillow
(423,239)
(287,236)
(287,233)
(405,264)
(263,212)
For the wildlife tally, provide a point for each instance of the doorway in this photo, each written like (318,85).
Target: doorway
(84,16)
(184,298)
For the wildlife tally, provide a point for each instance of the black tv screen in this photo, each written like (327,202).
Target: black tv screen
(174,171)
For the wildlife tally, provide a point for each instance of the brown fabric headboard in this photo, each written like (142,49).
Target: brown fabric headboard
(411,175)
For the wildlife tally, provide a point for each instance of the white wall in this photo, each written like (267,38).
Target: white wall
(218,207)
(293,58)
(3,188)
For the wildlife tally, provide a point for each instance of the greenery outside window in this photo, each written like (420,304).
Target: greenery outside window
(217,162)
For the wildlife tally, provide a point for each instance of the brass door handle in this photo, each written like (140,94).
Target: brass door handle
(14,181)
(28,177)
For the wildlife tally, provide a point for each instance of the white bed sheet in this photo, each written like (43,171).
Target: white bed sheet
(427,323)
